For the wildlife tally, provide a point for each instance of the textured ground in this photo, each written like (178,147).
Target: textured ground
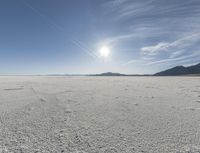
(100,114)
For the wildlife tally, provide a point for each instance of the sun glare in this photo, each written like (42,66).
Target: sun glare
(104,51)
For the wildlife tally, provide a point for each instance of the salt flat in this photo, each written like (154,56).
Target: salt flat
(99,114)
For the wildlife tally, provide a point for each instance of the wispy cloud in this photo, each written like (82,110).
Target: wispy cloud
(132,9)
(131,62)
(152,8)
(166,46)
(152,50)
(119,38)
(182,58)
(177,50)
(128,8)
(161,32)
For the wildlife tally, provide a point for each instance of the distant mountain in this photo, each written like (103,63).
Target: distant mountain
(180,70)
(66,74)
(109,74)
(118,74)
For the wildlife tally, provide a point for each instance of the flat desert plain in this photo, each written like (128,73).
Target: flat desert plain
(40,114)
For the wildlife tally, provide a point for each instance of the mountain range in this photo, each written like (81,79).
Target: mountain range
(175,71)
(181,70)
(118,74)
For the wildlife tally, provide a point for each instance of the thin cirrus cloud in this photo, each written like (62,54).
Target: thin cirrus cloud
(166,46)
(178,52)
(181,59)
(119,38)
(161,31)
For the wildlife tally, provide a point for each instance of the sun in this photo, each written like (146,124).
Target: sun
(104,51)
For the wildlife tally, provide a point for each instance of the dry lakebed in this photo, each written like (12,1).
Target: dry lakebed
(85,114)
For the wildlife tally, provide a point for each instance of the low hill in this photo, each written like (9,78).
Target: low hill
(109,74)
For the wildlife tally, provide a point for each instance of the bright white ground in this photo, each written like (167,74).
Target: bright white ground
(100,114)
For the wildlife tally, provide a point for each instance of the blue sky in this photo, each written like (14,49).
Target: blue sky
(65,36)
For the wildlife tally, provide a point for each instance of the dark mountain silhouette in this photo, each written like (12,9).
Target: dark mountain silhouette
(180,70)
